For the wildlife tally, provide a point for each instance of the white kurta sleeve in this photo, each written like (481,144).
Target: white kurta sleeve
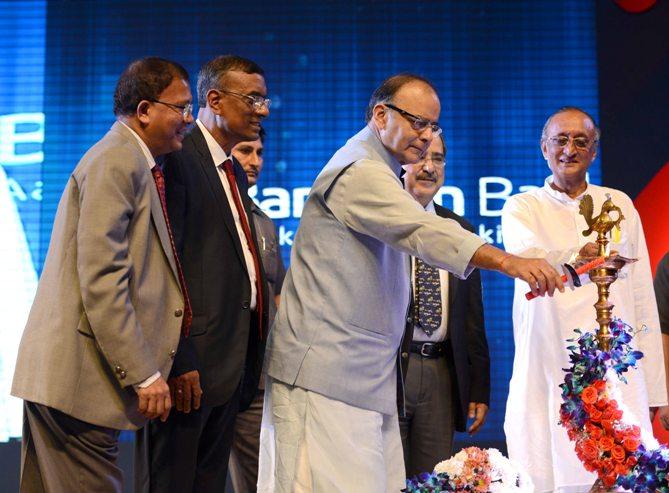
(520,237)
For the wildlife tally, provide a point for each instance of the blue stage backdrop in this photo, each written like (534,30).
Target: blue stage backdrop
(500,68)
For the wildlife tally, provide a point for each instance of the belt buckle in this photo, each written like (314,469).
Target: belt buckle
(422,349)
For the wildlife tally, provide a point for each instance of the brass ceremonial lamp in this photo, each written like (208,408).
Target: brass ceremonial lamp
(606,273)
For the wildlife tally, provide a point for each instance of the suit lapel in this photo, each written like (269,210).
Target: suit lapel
(157,215)
(216,187)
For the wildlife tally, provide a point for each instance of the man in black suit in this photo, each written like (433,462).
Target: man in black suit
(217,367)
(448,377)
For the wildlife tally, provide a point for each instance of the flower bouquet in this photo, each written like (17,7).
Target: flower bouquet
(605,441)
(474,470)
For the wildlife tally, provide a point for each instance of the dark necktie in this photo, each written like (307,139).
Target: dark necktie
(159,178)
(230,174)
(427,314)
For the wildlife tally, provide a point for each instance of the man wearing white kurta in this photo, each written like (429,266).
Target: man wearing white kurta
(545,222)
(332,354)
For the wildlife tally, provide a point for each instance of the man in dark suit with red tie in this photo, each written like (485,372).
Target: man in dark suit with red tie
(217,367)
(448,378)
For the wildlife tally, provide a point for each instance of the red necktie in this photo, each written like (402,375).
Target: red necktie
(230,174)
(159,178)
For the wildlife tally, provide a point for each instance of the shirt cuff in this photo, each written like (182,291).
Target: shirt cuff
(148,381)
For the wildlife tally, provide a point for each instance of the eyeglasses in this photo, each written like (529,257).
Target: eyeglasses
(581,143)
(417,123)
(257,102)
(185,110)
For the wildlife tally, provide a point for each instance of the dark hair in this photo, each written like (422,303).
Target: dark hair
(564,109)
(212,73)
(144,79)
(389,87)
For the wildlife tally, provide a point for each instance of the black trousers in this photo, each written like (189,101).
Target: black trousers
(188,452)
(61,454)
(428,428)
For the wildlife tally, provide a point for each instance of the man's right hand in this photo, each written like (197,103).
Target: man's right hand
(154,400)
(186,391)
(536,272)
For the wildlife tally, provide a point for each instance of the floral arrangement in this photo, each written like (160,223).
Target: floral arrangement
(605,442)
(473,470)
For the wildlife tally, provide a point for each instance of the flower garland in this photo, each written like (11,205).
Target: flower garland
(473,470)
(604,441)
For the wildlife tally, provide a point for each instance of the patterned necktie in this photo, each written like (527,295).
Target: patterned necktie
(230,174)
(159,178)
(427,314)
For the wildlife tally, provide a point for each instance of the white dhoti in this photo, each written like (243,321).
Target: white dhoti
(310,443)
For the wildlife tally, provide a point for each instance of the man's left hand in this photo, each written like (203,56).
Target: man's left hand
(478,412)
(186,391)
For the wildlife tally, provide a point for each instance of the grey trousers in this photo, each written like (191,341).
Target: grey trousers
(60,453)
(428,428)
(243,466)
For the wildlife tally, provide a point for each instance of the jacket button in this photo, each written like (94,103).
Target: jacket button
(173,353)
(409,320)
(405,355)
(121,374)
(246,305)
(118,369)
(178,312)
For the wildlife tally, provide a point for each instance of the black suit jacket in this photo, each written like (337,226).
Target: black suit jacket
(224,343)
(466,330)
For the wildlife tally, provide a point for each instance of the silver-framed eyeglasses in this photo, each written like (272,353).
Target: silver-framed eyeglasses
(256,102)
(581,143)
(417,122)
(186,110)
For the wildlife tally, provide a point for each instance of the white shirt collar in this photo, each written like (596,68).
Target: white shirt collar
(147,153)
(561,196)
(217,153)
(430,207)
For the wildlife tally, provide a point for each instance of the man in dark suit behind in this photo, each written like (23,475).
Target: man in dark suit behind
(448,378)
(216,369)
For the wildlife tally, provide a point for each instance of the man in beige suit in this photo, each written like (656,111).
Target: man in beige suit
(109,309)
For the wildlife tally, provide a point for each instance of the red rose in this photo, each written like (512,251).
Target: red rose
(606,443)
(602,403)
(620,469)
(596,432)
(617,414)
(607,424)
(631,461)
(589,394)
(609,480)
(595,415)
(589,449)
(631,443)
(618,453)
(600,385)
(607,466)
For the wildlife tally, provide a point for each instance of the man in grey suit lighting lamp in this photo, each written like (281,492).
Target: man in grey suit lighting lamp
(331,413)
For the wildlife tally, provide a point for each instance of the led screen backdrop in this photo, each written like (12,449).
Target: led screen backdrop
(500,68)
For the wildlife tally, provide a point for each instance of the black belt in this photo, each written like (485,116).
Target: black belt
(431,349)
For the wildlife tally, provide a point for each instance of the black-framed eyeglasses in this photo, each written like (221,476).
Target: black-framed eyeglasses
(417,122)
(581,143)
(186,110)
(256,102)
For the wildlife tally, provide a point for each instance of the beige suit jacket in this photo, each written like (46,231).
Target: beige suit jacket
(108,308)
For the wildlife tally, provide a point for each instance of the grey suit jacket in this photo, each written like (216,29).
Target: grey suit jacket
(108,308)
(344,301)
